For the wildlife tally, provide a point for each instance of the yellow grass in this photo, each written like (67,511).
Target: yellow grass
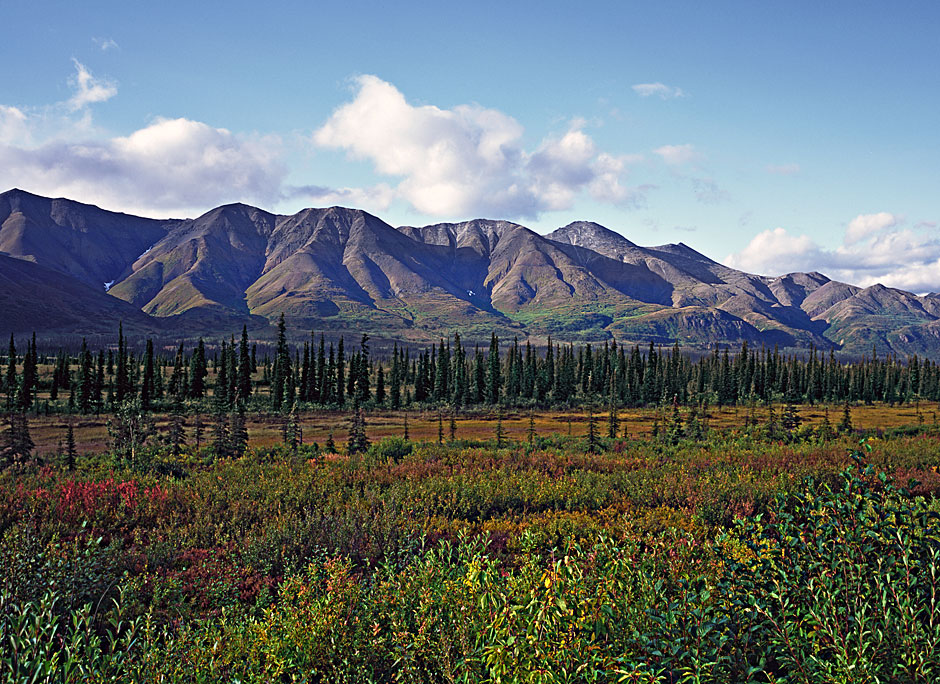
(264,429)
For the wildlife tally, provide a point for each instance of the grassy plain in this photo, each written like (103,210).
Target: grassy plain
(264,430)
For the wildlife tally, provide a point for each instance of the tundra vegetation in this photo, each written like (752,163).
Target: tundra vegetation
(625,516)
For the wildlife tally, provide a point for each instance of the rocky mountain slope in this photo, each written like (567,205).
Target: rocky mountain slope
(68,267)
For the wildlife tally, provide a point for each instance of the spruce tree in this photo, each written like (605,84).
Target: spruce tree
(238,431)
(825,430)
(198,370)
(500,432)
(340,374)
(147,386)
(70,453)
(676,427)
(294,435)
(394,380)
(613,421)
(86,379)
(459,365)
(593,443)
(220,394)
(30,376)
(121,383)
(845,425)
(99,383)
(320,393)
(11,384)
(493,371)
(357,442)
(19,444)
(221,443)
(198,427)
(380,386)
(282,367)
(362,384)
(177,433)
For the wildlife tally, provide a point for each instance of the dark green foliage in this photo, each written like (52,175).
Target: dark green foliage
(70,454)
(177,433)
(593,442)
(358,441)
(845,425)
(11,383)
(244,368)
(499,431)
(17,444)
(198,370)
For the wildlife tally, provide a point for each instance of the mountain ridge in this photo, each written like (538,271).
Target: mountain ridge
(345,270)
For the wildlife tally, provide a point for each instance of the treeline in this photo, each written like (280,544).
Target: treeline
(322,374)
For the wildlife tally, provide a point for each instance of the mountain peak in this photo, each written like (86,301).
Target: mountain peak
(590,235)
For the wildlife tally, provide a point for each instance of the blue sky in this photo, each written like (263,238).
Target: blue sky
(771,136)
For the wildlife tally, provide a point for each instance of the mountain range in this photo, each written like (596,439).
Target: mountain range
(69,268)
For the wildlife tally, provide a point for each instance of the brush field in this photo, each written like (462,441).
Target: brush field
(523,550)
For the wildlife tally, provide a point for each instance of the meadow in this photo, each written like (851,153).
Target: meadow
(708,548)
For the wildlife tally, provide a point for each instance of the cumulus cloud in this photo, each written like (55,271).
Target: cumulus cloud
(875,249)
(775,251)
(658,89)
(172,166)
(676,155)
(865,225)
(89,89)
(13,124)
(468,160)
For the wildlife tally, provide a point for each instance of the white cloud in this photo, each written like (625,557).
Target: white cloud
(659,89)
(676,155)
(773,252)
(171,167)
(89,89)
(875,250)
(377,198)
(13,125)
(783,169)
(865,225)
(106,44)
(468,160)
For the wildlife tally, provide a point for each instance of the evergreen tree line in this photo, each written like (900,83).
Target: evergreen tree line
(514,374)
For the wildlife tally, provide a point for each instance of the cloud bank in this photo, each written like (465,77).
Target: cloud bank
(470,160)
(876,248)
(171,167)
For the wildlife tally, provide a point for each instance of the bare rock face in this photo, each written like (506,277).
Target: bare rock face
(344,269)
(91,244)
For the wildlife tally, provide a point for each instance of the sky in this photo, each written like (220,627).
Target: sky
(773,137)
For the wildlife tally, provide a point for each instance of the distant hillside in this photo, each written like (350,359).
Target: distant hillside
(344,270)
